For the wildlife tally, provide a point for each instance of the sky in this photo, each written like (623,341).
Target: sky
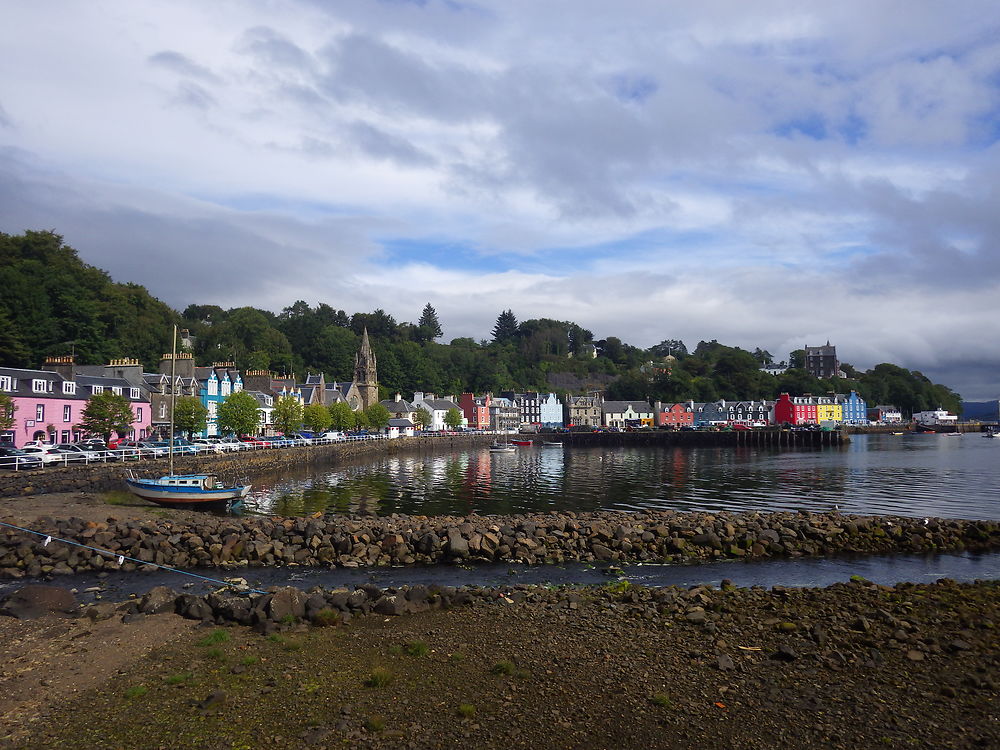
(772,174)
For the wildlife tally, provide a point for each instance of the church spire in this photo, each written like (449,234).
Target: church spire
(365,373)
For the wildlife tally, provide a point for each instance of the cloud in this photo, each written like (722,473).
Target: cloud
(182,65)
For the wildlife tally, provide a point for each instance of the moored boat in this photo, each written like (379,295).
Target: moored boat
(202,491)
(523,443)
(502,448)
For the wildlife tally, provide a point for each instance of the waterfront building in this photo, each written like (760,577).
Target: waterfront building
(853,407)
(215,384)
(505,415)
(795,410)
(49,403)
(476,410)
(885,414)
(399,408)
(584,411)
(751,413)
(934,416)
(537,409)
(622,414)
(438,408)
(265,411)
(828,410)
(673,415)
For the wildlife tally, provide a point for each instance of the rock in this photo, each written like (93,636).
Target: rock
(101,611)
(696,615)
(35,600)
(194,607)
(914,655)
(391,605)
(785,653)
(724,663)
(216,698)
(157,600)
(287,604)
(458,545)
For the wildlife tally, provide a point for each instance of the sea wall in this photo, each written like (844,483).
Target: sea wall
(102,477)
(353,541)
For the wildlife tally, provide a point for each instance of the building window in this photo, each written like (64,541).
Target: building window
(213,387)
(133,393)
(138,414)
(116,390)
(67,413)
(38,386)
(5,383)
(40,412)
(96,389)
(69,388)
(163,410)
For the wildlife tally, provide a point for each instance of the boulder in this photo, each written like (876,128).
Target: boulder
(158,599)
(287,604)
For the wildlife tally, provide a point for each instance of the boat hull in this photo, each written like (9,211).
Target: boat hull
(183,497)
(523,443)
(942,428)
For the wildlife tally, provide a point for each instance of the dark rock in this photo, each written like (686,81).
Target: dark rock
(391,605)
(158,600)
(101,611)
(287,604)
(35,600)
(216,698)
(724,663)
(785,653)
(194,607)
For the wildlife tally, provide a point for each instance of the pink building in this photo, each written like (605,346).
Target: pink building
(48,404)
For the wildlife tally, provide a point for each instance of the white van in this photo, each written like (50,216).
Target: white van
(332,436)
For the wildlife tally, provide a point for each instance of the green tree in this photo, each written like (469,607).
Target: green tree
(287,415)
(7,409)
(342,416)
(106,413)
(428,326)
(797,359)
(377,416)
(453,418)
(238,414)
(316,418)
(422,418)
(190,415)
(505,328)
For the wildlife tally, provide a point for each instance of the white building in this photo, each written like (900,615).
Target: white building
(438,408)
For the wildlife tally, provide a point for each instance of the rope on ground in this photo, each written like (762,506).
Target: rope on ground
(122,558)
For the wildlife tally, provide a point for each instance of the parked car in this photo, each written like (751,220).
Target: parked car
(48,454)
(76,452)
(15,459)
(209,444)
(232,444)
(255,442)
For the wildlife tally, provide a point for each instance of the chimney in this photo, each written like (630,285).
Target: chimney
(418,395)
(127,369)
(61,365)
(257,380)
(184,363)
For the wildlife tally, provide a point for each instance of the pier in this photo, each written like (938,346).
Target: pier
(767,438)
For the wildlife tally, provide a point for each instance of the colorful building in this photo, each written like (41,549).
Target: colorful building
(795,410)
(624,414)
(854,408)
(476,410)
(673,416)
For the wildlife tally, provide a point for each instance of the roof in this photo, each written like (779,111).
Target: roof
(401,423)
(617,407)
(398,407)
(440,404)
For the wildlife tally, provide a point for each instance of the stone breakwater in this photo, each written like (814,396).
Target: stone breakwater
(359,541)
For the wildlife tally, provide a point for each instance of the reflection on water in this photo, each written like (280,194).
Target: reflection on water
(954,477)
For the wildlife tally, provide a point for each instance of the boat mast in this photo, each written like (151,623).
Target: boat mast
(173,395)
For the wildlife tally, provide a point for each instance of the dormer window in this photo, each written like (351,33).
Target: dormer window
(38,386)
(96,389)
(116,390)
(133,393)
(69,388)
(6,383)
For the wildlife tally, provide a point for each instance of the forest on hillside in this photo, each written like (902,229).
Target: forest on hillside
(52,304)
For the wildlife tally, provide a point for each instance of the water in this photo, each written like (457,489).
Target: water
(809,572)
(912,475)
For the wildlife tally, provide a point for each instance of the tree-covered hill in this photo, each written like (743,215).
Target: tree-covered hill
(52,303)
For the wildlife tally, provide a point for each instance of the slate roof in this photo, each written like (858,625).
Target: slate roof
(619,407)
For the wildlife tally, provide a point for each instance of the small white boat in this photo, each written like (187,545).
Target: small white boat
(187,490)
(502,448)
(548,444)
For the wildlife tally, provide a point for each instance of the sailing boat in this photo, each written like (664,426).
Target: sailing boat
(195,491)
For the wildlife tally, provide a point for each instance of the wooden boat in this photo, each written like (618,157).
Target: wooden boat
(201,491)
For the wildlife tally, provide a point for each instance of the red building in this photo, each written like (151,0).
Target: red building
(795,409)
(673,415)
(476,410)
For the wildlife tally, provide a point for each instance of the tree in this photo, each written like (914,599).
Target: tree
(342,417)
(670,347)
(287,415)
(422,418)
(428,326)
(505,328)
(377,416)
(453,418)
(190,415)
(106,413)
(7,409)
(316,417)
(238,414)
(797,359)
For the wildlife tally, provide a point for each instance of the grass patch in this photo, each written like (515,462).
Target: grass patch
(326,618)
(276,638)
(417,648)
(457,656)
(292,646)
(216,653)
(395,650)
(136,691)
(505,667)
(179,679)
(374,723)
(466,710)
(213,638)
(118,497)
(659,699)
(378,678)
(249,661)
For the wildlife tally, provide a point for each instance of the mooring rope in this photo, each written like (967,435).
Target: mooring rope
(122,558)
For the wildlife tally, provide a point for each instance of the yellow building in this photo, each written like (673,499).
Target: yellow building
(828,410)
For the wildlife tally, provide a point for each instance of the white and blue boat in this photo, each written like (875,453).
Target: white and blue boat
(188,491)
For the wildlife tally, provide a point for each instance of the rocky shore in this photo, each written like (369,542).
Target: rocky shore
(854,665)
(344,541)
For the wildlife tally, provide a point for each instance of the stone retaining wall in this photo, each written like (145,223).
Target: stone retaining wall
(102,477)
(351,541)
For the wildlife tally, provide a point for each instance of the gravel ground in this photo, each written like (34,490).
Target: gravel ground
(849,666)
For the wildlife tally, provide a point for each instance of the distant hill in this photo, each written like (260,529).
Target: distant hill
(981,411)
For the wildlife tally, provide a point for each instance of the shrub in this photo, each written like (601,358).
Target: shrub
(379,678)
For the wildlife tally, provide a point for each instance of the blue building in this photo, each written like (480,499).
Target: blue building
(215,383)
(855,410)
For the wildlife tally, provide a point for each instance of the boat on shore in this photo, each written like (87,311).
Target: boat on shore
(195,491)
